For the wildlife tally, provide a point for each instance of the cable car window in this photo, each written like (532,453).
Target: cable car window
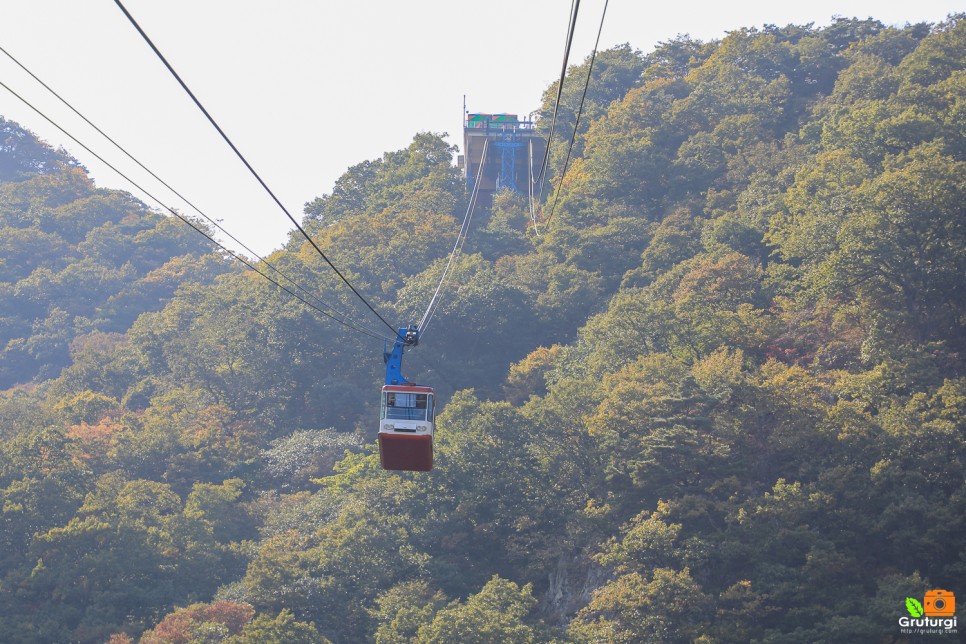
(403,406)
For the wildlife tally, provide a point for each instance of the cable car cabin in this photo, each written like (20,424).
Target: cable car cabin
(406,428)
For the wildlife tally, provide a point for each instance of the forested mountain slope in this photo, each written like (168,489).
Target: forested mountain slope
(76,259)
(721,398)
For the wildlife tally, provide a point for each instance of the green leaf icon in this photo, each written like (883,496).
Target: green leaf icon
(914,607)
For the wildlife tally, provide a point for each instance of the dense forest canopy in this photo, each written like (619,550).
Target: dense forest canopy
(722,397)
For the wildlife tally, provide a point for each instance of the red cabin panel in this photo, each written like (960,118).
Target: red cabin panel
(406,452)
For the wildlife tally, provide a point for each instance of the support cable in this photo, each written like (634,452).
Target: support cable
(574,8)
(255,174)
(457,247)
(236,256)
(580,110)
(336,313)
(533,214)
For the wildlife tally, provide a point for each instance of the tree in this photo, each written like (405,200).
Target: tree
(22,154)
(403,609)
(200,623)
(668,607)
(373,186)
(615,71)
(652,428)
(821,198)
(904,250)
(496,614)
(283,629)
(478,310)
(331,576)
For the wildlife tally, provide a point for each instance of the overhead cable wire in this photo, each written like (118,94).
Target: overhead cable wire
(174,212)
(580,110)
(533,214)
(251,169)
(574,8)
(336,313)
(458,246)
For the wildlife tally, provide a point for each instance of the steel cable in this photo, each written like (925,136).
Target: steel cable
(458,246)
(255,174)
(335,313)
(185,219)
(580,110)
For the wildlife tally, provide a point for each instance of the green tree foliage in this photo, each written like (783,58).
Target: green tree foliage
(416,172)
(403,609)
(22,154)
(283,629)
(232,623)
(633,609)
(495,614)
(615,71)
(329,574)
(131,547)
(200,623)
(906,243)
(77,259)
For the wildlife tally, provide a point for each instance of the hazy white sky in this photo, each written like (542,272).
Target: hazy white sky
(306,88)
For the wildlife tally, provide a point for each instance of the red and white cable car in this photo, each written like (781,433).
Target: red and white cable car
(407,414)
(406,428)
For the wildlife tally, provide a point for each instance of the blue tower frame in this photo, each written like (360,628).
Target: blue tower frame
(508,152)
(508,138)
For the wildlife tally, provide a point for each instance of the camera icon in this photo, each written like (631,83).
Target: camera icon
(939,603)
